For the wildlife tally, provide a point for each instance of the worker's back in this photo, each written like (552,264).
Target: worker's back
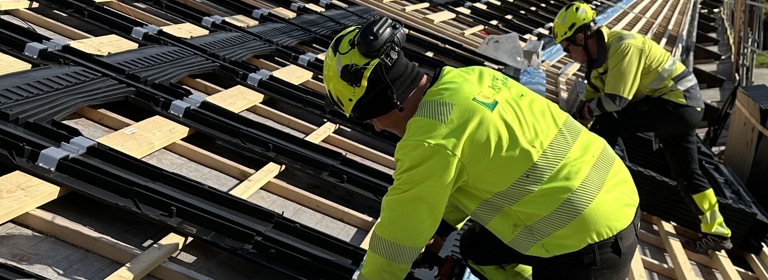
(526,170)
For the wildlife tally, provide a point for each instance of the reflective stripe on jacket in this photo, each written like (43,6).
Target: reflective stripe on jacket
(637,67)
(482,144)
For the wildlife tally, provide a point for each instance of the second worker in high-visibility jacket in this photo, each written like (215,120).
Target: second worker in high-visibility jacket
(636,85)
(548,198)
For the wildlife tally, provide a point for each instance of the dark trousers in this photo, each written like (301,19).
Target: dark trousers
(605,260)
(675,127)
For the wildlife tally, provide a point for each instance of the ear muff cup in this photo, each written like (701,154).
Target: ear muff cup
(381,38)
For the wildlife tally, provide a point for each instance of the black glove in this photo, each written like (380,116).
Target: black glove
(583,112)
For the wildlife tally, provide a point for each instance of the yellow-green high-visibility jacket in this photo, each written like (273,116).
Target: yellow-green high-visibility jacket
(482,145)
(636,67)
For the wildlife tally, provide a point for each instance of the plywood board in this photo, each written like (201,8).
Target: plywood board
(440,16)
(340,4)
(416,7)
(463,10)
(241,20)
(315,8)
(21,192)
(104,45)
(185,30)
(14,4)
(236,99)
(283,13)
(11,64)
(293,74)
(145,137)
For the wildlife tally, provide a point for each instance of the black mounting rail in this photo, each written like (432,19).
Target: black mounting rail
(12,272)
(188,206)
(120,180)
(241,135)
(218,47)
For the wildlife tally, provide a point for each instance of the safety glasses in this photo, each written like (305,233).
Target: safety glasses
(567,48)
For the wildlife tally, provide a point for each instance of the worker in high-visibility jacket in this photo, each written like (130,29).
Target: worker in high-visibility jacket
(547,197)
(636,85)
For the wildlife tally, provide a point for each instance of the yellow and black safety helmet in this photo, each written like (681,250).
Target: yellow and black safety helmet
(570,18)
(356,67)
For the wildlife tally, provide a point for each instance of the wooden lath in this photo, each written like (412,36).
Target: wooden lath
(83,237)
(134,12)
(240,98)
(49,24)
(432,18)
(251,181)
(255,180)
(668,238)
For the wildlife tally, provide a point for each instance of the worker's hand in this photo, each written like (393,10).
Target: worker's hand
(435,244)
(430,257)
(583,113)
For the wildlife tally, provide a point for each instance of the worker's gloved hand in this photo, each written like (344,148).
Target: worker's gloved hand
(430,257)
(583,113)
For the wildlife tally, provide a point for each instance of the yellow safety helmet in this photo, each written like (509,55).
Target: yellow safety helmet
(365,72)
(570,18)
(346,70)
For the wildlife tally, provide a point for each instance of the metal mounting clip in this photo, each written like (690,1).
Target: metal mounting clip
(254,78)
(208,21)
(306,58)
(297,6)
(260,12)
(50,157)
(179,106)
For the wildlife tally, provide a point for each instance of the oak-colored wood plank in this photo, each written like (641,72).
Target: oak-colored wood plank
(104,45)
(21,192)
(145,137)
(293,74)
(185,30)
(151,258)
(241,20)
(11,64)
(15,5)
(86,238)
(236,99)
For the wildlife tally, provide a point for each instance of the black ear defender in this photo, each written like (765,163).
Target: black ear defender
(381,38)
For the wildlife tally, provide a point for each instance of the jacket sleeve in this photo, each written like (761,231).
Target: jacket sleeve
(625,68)
(411,210)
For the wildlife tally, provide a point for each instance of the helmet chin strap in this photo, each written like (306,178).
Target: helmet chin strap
(392,90)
